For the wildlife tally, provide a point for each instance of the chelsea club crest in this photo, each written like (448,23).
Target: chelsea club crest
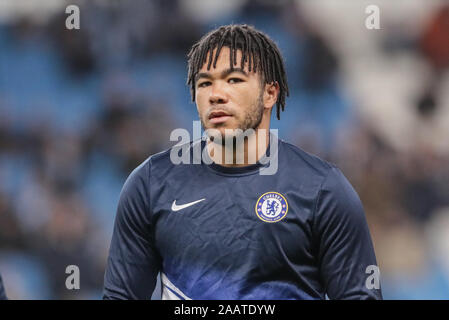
(271,207)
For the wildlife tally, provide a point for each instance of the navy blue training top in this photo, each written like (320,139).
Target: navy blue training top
(2,290)
(216,232)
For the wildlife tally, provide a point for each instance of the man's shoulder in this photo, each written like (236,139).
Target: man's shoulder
(316,168)
(164,161)
(305,161)
(321,176)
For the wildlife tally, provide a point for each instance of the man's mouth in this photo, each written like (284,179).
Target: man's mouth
(219,116)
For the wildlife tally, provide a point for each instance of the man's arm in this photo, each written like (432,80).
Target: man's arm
(133,262)
(345,249)
(2,290)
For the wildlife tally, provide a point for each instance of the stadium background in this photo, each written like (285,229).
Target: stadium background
(79,109)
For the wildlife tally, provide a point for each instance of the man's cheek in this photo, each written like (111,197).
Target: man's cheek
(201,111)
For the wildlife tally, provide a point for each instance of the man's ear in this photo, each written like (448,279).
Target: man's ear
(270,95)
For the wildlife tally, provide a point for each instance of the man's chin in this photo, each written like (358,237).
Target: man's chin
(221,133)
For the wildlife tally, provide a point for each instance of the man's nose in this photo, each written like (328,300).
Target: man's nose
(217,94)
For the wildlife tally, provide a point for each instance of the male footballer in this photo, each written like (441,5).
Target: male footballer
(225,230)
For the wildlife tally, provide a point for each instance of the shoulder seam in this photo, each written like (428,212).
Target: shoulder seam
(315,208)
(149,187)
(151,235)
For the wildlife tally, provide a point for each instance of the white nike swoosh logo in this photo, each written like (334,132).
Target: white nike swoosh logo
(175,207)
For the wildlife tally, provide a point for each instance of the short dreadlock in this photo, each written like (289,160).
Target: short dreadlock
(257,48)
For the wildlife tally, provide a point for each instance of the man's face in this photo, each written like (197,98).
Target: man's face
(228,100)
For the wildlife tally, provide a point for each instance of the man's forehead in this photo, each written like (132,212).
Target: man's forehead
(223,61)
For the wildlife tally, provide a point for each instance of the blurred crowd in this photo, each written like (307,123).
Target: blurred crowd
(79,109)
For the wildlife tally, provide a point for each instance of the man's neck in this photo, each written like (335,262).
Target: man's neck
(240,152)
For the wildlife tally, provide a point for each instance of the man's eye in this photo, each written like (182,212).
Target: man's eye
(203,84)
(235,80)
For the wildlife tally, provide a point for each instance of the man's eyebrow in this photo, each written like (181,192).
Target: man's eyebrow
(224,73)
(228,71)
(203,75)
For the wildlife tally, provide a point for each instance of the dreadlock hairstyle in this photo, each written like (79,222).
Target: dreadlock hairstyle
(258,50)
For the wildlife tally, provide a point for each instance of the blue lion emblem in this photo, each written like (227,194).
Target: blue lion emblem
(272,207)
